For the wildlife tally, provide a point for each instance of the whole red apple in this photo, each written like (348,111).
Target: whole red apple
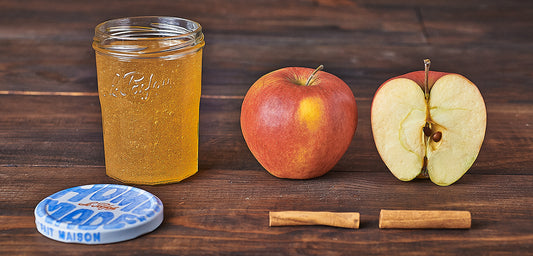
(298,122)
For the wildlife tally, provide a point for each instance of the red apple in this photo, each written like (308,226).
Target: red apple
(298,122)
(428,124)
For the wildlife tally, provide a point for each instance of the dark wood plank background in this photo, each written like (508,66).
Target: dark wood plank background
(51,136)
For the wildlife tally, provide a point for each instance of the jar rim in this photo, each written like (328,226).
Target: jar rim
(183,33)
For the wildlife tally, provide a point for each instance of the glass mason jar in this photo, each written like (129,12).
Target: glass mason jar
(149,83)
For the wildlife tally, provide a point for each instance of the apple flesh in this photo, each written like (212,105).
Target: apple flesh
(298,122)
(437,135)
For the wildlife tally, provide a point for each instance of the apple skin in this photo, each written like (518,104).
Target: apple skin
(419,78)
(477,103)
(298,131)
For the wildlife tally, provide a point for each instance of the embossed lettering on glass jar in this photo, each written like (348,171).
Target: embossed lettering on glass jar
(149,83)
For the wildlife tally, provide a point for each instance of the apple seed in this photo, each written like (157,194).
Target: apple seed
(427,130)
(437,136)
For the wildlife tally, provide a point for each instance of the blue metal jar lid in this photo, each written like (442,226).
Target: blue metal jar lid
(98,214)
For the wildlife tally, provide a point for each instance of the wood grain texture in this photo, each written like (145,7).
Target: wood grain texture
(51,135)
(219,212)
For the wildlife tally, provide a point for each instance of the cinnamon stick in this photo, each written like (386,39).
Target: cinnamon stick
(412,219)
(334,219)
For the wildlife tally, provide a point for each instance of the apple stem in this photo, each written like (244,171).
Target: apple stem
(427,127)
(311,77)
(427,63)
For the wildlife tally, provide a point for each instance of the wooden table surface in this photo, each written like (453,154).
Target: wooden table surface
(51,135)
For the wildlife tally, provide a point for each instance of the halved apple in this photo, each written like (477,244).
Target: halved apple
(428,124)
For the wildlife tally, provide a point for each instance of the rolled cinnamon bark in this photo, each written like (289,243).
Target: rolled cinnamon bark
(413,219)
(334,219)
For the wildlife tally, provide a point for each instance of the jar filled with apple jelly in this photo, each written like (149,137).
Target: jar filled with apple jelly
(149,83)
